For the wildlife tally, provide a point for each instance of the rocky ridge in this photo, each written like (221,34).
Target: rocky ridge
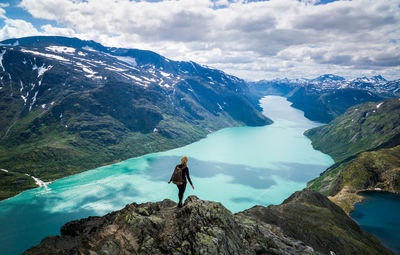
(305,223)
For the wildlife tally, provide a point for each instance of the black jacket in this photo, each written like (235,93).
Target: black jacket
(185,174)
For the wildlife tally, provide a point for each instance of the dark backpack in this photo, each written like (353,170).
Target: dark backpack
(177,176)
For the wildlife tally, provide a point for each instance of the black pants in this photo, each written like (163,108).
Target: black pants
(181,188)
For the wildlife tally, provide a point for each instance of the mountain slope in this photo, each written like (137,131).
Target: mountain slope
(205,227)
(363,127)
(328,96)
(375,170)
(324,107)
(364,142)
(312,218)
(68,105)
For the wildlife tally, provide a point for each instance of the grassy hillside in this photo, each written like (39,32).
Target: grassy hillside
(12,183)
(326,106)
(64,112)
(365,145)
(363,127)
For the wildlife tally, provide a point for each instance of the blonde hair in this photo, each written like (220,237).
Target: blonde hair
(184,160)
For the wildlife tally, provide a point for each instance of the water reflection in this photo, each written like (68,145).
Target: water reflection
(378,214)
(239,167)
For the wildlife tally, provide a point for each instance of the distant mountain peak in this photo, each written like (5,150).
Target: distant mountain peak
(378,78)
(329,77)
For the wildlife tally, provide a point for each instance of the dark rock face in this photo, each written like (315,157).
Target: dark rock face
(311,217)
(205,227)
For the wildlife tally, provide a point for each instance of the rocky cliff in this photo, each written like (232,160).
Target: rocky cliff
(305,223)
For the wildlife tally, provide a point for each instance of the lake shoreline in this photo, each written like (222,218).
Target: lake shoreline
(102,165)
(118,161)
(138,156)
(258,165)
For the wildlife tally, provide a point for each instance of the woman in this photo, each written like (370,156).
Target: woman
(179,176)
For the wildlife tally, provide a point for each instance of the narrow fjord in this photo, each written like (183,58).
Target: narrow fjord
(240,167)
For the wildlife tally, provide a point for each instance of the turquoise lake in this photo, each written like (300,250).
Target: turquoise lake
(379,215)
(239,167)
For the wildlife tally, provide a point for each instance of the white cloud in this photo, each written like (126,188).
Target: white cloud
(50,30)
(2,11)
(17,28)
(253,40)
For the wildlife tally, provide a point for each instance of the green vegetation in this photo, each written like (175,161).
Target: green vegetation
(54,154)
(324,106)
(364,142)
(70,123)
(11,183)
(362,128)
(378,169)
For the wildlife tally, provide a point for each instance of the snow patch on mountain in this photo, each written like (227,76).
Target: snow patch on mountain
(133,77)
(33,100)
(23,98)
(61,49)
(41,70)
(86,69)
(113,68)
(129,60)
(80,53)
(45,55)
(1,59)
(137,79)
(88,48)
(165,74)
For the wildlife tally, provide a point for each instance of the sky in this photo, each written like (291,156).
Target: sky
(250,39)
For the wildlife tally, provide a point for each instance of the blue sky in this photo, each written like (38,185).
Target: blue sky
(251,39)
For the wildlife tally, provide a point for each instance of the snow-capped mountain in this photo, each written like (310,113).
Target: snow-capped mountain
(68,104)
(328,78)
(327,96)
(96,64)
(376,84)
(328,82)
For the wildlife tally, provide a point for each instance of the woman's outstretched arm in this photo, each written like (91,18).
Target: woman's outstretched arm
(188,177)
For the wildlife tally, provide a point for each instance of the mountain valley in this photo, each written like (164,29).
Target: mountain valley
(69,105)
(328,96)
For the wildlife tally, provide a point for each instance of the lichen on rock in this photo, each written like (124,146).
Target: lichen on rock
(306,223)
